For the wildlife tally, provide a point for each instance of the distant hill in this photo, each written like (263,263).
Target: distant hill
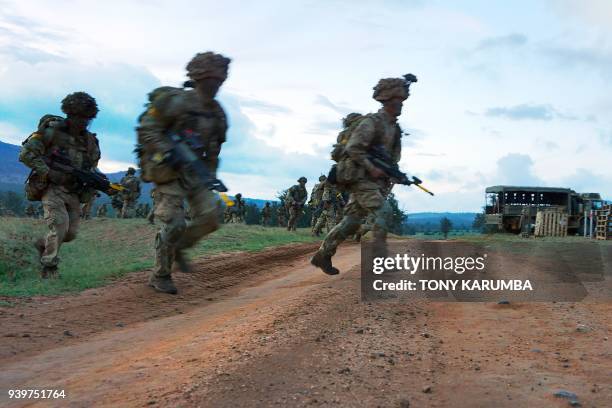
(12,171)
(459,220)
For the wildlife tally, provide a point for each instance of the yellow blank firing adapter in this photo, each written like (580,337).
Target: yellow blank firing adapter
(226,199)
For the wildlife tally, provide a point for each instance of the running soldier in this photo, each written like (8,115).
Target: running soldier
(60,140)
(367,183)
(295,200)
(266,215)
(130,194)
(197,120)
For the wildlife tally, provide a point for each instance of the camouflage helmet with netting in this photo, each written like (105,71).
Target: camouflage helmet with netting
(322,177)
(80,104)
(302,179)
(388,88)
(208,65)
(350,118)
(131,170)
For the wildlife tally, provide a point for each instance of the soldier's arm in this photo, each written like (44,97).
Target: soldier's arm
(32,153)
(360,141)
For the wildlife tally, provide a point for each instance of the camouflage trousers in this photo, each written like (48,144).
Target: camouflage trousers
(366,199)
(294,213)
(265,221)
(62,212)
(365,227)
(236,218)
(175,232)
(128,210)
(327,218)
(87,207)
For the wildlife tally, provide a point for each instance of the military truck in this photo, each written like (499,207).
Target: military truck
(510,208)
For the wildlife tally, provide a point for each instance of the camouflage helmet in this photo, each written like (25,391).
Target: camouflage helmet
(388,88)
(302,179)
(350,118)
(238,195)
(131,170)
(208,65)
(267,203)
(80,104)
(322,177)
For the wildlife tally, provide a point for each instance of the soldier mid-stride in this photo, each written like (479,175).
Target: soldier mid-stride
(102,211)
(295,200)
(315,201)
(198,118)
(366,183)
(236,211)
(130,194)
(62,195)
(266,214)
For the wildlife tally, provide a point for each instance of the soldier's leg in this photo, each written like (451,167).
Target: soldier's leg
(72,208)
(380,228)
(56,215)
(365,199)
(330,220)
(204,218)
(292,216)
(170,212)
(321,221)
(348,226)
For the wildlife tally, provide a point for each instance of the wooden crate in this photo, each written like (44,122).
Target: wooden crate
(603,226)
(551,223)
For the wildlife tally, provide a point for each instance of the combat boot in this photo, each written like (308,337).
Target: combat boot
(324,263)
(181,261)
(163,284)
(49,272)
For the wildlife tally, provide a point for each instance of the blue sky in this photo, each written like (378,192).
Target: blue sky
(509,92)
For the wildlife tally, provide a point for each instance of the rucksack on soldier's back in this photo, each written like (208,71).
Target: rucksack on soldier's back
(346,171)
(35,186)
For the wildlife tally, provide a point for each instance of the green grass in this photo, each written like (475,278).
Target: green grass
(109,248)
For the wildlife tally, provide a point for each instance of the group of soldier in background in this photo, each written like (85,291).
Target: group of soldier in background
(179,139)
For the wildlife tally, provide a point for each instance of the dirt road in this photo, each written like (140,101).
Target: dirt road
(268,329)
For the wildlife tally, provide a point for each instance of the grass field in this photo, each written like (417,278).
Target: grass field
(109,248)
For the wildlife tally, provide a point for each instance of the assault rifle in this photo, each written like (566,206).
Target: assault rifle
(183,156)
(85,178)
(381,159)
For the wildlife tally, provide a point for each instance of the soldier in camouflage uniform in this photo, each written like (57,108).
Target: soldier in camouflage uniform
(117,204)
(30,212)
(294,202)
(327,218)
(62,195)
(88,207)
(102,211)
(199,119)
(266,215)
(130,194)
(315,201)
(367,183)
(236,212)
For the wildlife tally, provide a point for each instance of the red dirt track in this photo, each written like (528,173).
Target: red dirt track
(268,329)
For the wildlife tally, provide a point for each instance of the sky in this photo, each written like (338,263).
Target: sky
(507,93)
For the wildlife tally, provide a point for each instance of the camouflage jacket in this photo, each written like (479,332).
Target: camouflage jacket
(296,195)
(266,212)
(317,194)
(181,112)
(377,129)
(132,187)
(53,136)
